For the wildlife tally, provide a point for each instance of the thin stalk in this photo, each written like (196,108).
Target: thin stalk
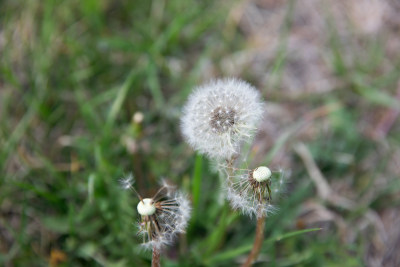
(155,262)
(257,242)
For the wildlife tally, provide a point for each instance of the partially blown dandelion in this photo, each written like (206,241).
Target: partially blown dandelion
(163,216)
(251,191)
(220,115)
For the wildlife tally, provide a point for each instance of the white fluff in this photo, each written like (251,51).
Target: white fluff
(127,181)
(221,114)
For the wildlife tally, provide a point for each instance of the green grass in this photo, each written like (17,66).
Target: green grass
(73,73)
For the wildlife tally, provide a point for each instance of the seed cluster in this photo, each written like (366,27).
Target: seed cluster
(222,119)
(159,227)
(260,188)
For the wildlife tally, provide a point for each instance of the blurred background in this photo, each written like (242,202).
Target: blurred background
(92,90)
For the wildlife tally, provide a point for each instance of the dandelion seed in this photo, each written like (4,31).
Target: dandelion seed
(127,182)
(220,115)
(251,191)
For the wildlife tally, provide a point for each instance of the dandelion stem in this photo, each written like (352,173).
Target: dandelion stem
(257,242)
(155,262)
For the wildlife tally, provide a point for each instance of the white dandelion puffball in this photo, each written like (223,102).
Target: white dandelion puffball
(221,114)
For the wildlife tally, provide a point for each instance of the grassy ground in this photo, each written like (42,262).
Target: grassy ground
(76,77)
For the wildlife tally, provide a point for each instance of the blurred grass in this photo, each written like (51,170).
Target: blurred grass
(73,74)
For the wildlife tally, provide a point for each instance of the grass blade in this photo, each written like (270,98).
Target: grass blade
(227,255)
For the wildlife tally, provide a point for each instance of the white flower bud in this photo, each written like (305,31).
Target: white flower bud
(261,174)
(146,207)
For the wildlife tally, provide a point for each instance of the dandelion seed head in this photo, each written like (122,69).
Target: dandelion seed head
(251,191)
(163,216)
(221,114)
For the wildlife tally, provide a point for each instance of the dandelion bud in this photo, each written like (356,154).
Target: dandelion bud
(219,115)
